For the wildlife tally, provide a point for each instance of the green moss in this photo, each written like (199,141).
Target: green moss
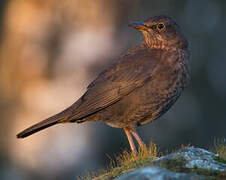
(178,165)
(221,160)
(175,165)
(211,174)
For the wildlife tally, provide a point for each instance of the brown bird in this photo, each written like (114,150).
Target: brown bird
(138,88)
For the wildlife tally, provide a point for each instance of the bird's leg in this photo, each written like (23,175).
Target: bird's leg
(130,139)
(137,137)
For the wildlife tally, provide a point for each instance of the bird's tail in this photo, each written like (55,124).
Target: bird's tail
(61,117)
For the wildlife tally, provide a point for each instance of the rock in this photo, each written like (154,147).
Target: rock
(195,158)
(186,164)
(158,173)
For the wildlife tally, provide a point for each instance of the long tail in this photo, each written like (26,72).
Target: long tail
(60,117)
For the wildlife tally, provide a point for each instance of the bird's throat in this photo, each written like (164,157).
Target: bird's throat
(157,42)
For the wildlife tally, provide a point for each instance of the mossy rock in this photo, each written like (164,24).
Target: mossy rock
(186,163)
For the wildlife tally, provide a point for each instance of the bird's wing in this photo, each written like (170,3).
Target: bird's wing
(128,73)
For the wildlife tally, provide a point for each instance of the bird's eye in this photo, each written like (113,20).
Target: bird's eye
(160,26)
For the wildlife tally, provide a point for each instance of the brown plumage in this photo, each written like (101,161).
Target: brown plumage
(138,88)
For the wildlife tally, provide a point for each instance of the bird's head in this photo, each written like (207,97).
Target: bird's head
(161,32)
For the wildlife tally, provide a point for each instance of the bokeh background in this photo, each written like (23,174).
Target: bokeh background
(51,50)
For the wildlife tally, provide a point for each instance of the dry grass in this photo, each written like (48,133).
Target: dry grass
(219,147)
(124,163)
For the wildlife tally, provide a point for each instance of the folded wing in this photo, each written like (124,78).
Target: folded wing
(131,71)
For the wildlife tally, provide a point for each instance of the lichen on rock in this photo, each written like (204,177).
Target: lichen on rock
(196,158)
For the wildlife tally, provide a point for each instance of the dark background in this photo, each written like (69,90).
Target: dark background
(51,50)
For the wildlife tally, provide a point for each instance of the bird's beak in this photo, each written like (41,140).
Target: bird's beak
(138,25)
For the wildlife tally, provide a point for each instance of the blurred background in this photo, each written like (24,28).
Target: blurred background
(51,50)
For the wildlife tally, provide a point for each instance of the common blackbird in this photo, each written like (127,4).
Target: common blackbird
(137,88)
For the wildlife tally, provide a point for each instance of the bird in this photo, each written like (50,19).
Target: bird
(137,88)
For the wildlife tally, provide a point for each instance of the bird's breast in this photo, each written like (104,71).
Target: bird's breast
(170,78)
